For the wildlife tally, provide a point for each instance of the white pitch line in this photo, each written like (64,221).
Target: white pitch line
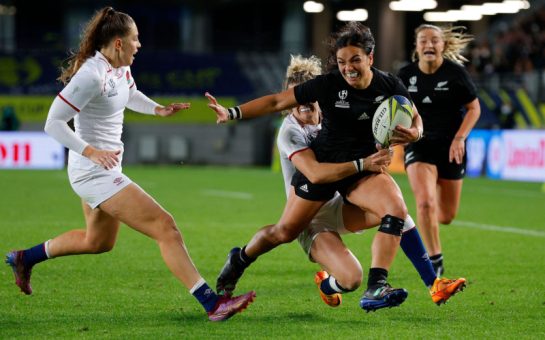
(512,230)
(228,194)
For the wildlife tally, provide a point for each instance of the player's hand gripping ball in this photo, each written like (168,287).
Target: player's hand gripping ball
(396,110)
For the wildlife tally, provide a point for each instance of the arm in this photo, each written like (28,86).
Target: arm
(457,147)
(60,112)
(255,108)
(139,102)
(319,173)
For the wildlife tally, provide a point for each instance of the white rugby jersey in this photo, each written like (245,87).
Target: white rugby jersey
(293,138)
(95,97)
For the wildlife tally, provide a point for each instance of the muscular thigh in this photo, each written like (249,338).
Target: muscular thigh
(378,194)
(134,207)
(101,228)
(423,180)
(329,250)
(298,213)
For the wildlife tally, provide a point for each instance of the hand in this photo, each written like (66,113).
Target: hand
(221,112)
(457,151)
(379,161)
(403,135)
(171,109)
(108,159)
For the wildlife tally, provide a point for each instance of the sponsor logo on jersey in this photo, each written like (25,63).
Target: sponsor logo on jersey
(364,116)
(426,100)
(118,180)
(441,86)
(412,86)
(379,99)
(304,188)
(409,155)
(342,103)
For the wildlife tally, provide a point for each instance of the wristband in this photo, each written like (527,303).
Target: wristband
(359,165)
(462,138)
(234,113)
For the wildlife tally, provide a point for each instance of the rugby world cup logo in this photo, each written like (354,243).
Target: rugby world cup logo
(343,94)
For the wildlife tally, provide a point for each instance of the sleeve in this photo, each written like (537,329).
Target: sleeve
(468,90)
(311,90)
(83,87)
(138,101)
(56,125)
(291,141)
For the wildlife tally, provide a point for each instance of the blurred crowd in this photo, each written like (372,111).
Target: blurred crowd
(514,47)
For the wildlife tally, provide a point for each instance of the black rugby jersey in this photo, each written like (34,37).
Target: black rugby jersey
(347,113)
(440,97)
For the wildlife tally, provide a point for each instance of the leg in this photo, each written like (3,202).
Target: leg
(134,207)
(380,195)
(99,236)
(297,215)
(331,253)
(341,272)
(423,179)
(449,193)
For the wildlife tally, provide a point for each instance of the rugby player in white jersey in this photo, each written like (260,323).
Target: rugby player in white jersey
(99,85)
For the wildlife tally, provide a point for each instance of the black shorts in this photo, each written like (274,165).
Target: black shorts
(436,153)
(323,192)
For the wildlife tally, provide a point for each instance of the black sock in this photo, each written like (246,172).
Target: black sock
(377,278)
(437,260)
(242,261)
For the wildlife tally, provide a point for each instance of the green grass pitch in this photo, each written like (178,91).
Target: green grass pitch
(497,242)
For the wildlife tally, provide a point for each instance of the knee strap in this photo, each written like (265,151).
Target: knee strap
(391,225)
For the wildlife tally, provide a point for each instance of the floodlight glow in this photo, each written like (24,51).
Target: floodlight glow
(461,15)
(522,4)
(358,14)
(501,7)
(438,17)
(313,7)
(479,9)
(412,5)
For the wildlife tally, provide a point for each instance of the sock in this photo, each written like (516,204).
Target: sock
(34,255)
(437,261)
(331,286)
(242,261)
(377,277)
(414,249)
(206,296)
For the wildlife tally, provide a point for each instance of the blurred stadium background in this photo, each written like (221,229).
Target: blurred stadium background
(238,49)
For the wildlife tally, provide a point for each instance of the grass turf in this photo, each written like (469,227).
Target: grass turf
(497,243)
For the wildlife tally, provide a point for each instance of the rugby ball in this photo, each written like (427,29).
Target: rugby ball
(396,110)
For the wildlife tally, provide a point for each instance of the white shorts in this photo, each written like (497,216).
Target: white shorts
(93,183)
(329,218)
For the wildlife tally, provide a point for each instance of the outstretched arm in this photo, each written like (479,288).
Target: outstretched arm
(318,173)
(258,107)
(139,102)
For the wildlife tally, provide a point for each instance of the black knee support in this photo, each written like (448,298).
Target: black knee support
(391,225)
